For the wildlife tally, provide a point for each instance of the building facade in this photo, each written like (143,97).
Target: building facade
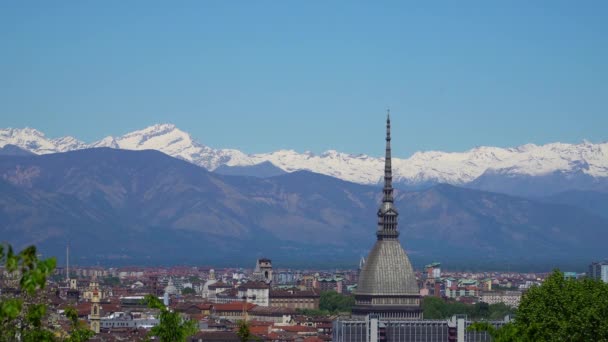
(599,271)
(510,298)
(295,299)
(263,270)
(373,329)
(255,292)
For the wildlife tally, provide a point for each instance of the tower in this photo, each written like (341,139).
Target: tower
(263,270)
(387,285)
(95,318)
(67,263)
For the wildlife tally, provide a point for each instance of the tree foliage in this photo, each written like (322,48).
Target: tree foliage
(111,281)
(313,312)
(79,332)
(333,302)
(559,310)
(188,290)
(22,313)
(172,327)
(437,308)
(244,332)
(565,309)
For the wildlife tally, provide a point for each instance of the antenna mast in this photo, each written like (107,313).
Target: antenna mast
(67,262)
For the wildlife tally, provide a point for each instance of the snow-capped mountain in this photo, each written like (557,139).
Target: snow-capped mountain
(421,168)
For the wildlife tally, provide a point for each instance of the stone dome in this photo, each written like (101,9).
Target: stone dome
(171,289)
(387,271)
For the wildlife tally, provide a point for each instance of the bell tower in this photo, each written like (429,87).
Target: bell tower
(95,316)
(263,270)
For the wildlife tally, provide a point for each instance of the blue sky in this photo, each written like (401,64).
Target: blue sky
(310,75)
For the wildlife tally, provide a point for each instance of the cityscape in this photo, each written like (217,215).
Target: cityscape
(471,207)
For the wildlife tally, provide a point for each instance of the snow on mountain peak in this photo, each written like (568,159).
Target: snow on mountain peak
(27,138)
(421,167)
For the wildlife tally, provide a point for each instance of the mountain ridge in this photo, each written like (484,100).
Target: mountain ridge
(145,206)
(420,169)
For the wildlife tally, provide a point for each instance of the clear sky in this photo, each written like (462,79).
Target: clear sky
(309,75)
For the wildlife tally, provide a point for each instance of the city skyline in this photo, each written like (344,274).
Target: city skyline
(213,171)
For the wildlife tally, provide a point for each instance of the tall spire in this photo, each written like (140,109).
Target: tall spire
(387,214)
(388,172)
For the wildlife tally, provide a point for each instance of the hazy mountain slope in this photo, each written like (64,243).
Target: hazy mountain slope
(496,167)
(592,201)
(262,170)
(145,206)
(12,150)
(504,181)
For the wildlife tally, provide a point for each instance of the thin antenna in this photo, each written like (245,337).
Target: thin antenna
(67,262)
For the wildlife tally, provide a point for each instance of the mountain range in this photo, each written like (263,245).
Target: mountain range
(125,207)
(528,170)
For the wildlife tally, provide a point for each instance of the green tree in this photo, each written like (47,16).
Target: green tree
(313,312)
(22,315)
(172,327)
(437,308)
(79,332)
(559,310)
(188,290)
(111,281)
(244,332)
(334,302)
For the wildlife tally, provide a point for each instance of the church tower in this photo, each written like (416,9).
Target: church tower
(387,283)
(95,315)
(263,270)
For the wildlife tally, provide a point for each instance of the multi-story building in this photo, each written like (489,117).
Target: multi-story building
(510,298)
(329,284)
(122,320)
(295,299)
(233,311)
(373,329)
(307,282)
(255,292)
(462,291)
(281,315)
(599,271)
(433,270)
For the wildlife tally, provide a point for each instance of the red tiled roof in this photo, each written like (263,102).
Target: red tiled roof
(313,339)
(259,329)
(219,284)
(253,285)
(293,294)
(297,328)
(273,310)
(234,306)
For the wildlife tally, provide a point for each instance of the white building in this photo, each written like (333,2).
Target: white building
(510,298)
(254,292)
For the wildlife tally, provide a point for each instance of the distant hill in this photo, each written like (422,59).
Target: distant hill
(504,181)
(592,201)
(12,150)
(131,207)
(261,170)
